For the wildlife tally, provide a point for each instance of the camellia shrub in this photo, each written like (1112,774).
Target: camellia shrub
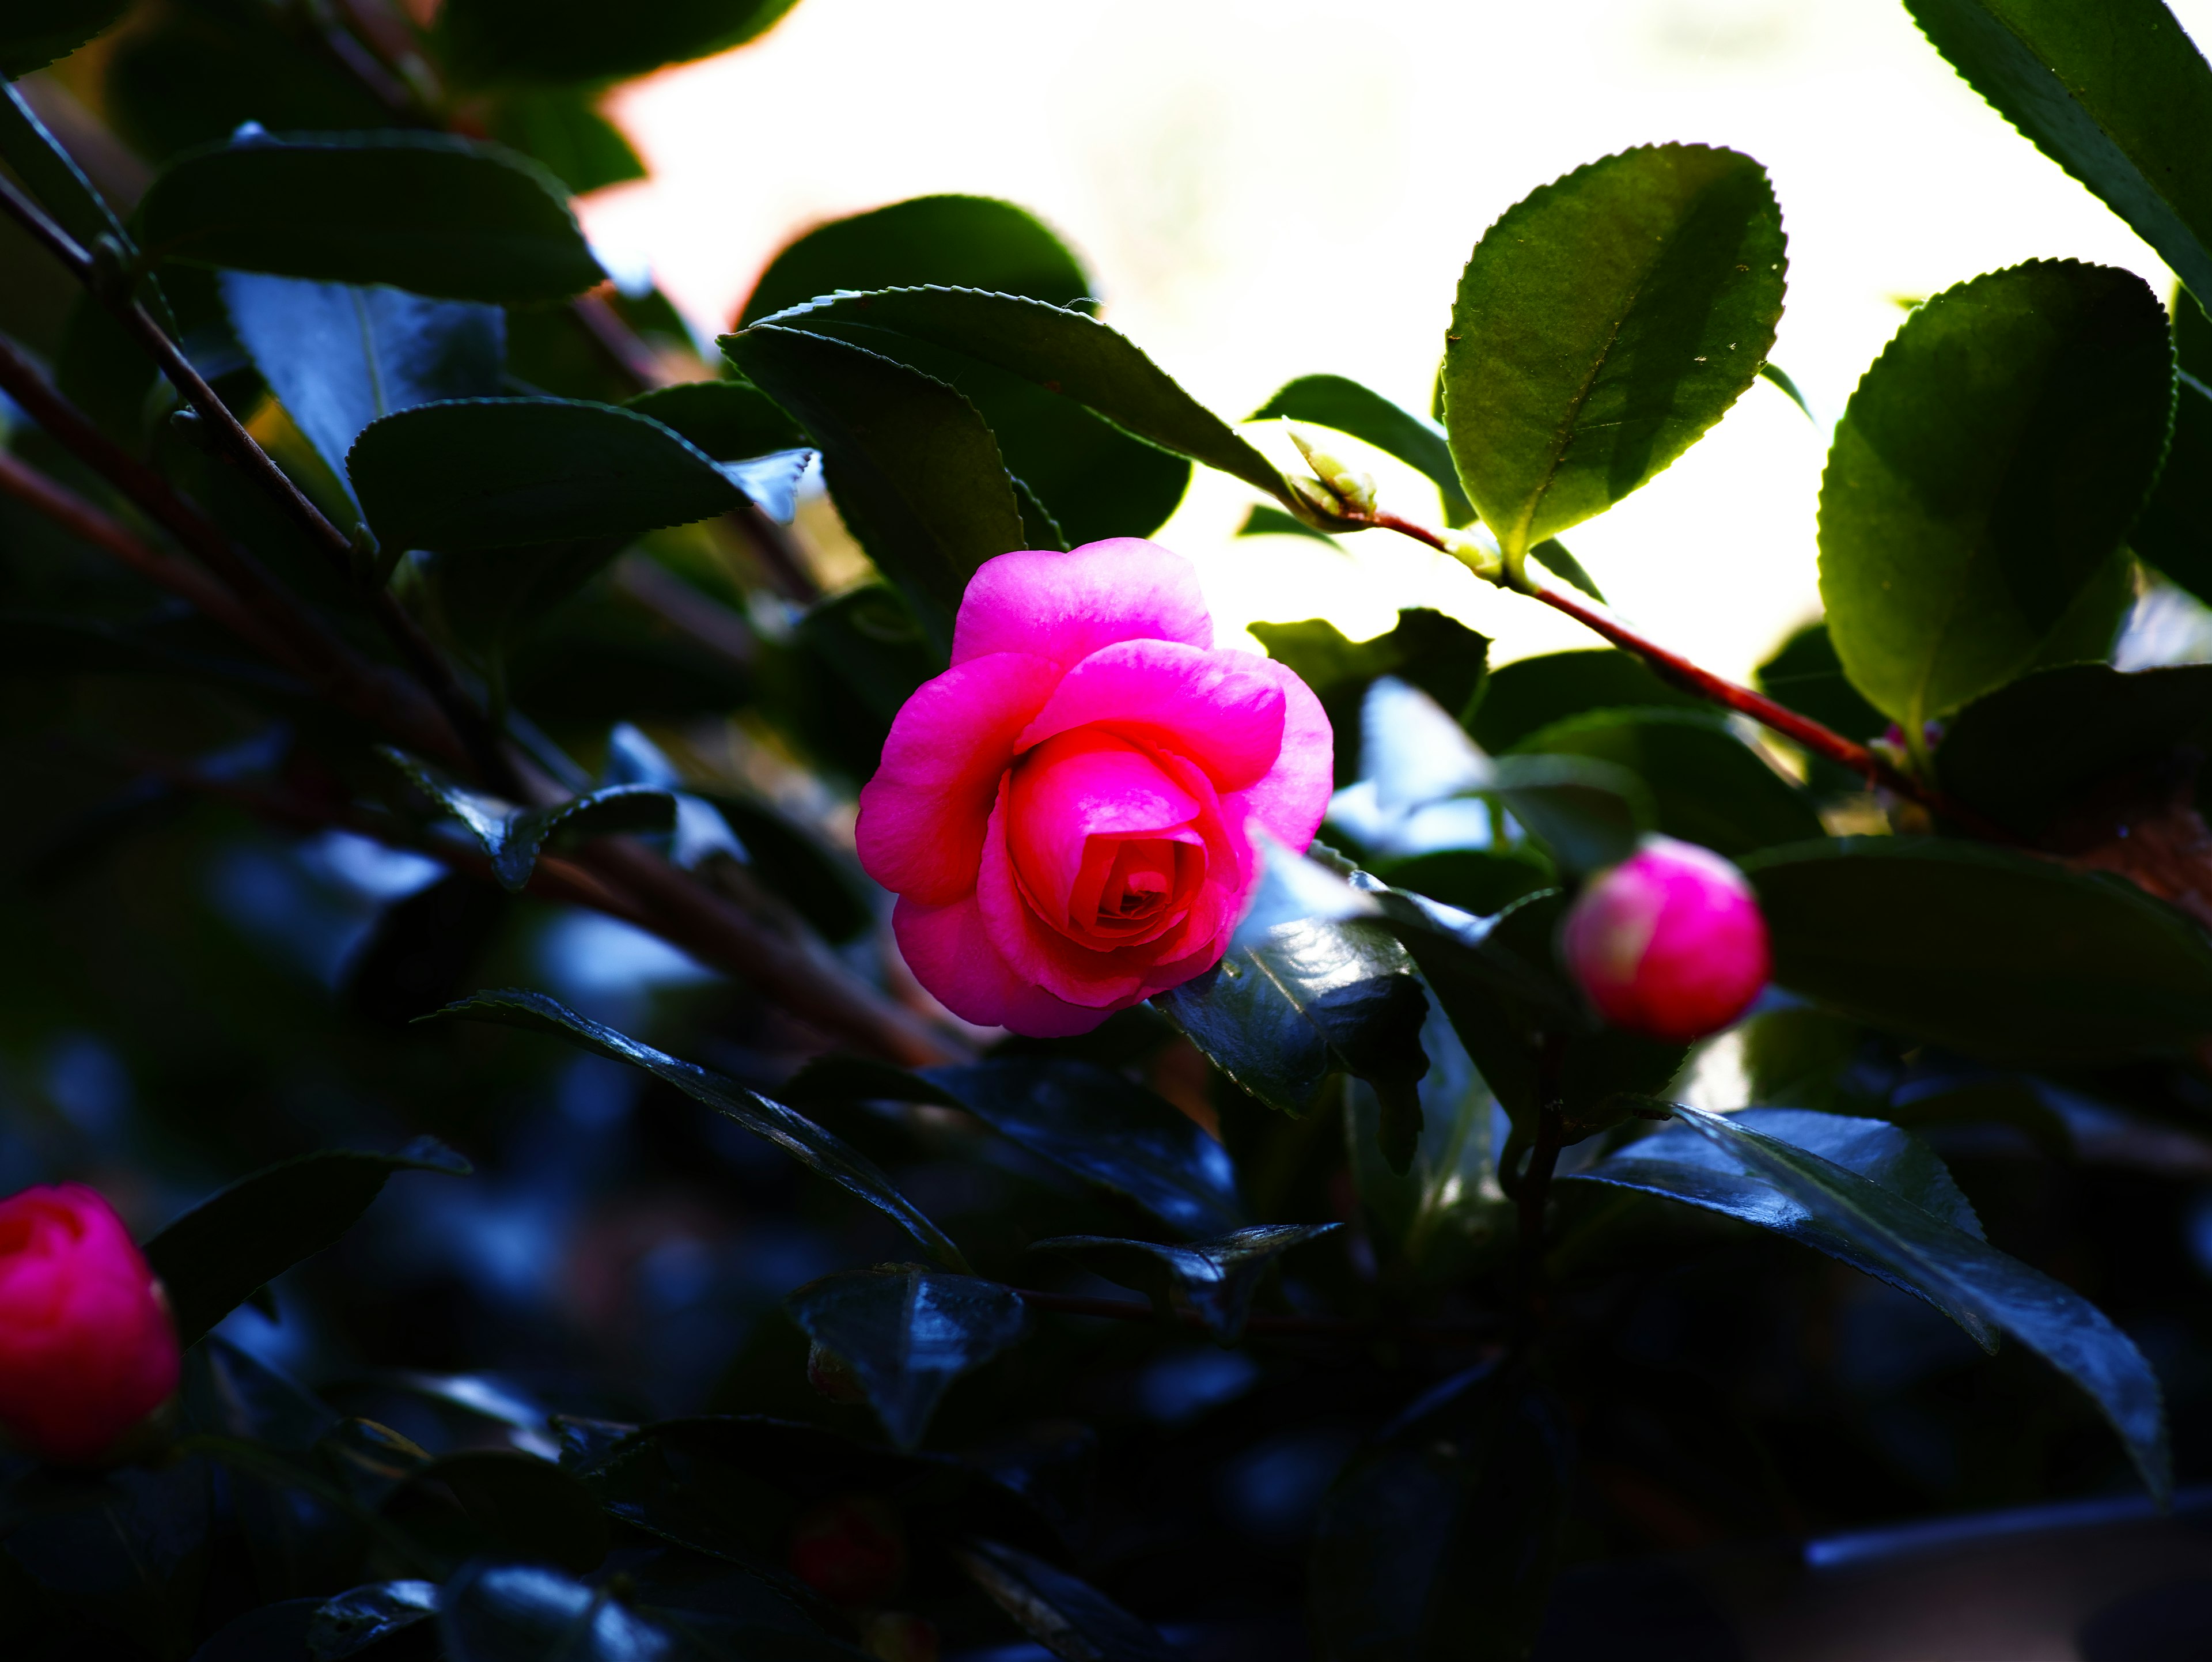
(1158,1149)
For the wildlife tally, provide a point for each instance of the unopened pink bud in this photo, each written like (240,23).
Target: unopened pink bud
(88,1349)
(1669,943)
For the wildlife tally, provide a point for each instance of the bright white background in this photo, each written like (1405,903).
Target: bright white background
(1268,188)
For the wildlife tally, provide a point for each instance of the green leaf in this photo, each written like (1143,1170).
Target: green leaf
(563,131)
(818,1150)
(1084,1118)
(1440,1538)
(36,32)
(1531,693)
(1264,521)
(238,1240)
(338,358)
(913,468)
(948,241)
(1312,987)
(1441,1216)
(423,211)
(1805,674)
(1780,377)
(2029,753)
(1218,1276)
(1999,954)
(1063,351)
(728,420)
(559,42)
(907,1333)
(1344,405)
(1438,654)
(1067,1616)
(512,837)
(825,886)
(852,661)
(504,1612)
(1881,1206)
(1602,325)
(482,473)
(1707,786)
(1986,468)
(2112,91)
(2174,531)
(53,175)
(1479,882)
(525,1507)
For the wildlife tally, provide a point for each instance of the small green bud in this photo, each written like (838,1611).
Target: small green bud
(1349,493)
(1475,548)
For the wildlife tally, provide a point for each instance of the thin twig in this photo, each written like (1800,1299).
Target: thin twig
(1309,1327)
(1821,740)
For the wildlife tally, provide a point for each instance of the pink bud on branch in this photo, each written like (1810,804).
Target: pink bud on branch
(1669,943)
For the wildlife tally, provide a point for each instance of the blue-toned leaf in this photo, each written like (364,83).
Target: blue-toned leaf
(505,1612)
(1068,1616)
(907,1333)
(1218,1276)
(512,837)
(1877,1219)
(362,1616)
(818,1150)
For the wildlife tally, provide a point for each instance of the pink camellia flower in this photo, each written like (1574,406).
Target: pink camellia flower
(1669,943)
(1066,813)
(87,1347)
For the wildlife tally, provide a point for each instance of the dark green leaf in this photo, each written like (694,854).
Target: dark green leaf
(36,32)
(1602,325)
(1780,377)
(484,473)
(338,358)
(525,1507)
(1063,351)
(1881,1206)
(127,1551)
(1707,786)
(1479,882)
(1438,654)
(1344,405)
(1439,1540)
(2030,752)
(907,1333)
(1995,953)
(52,174)
(422,211)
(499,1612)
(563,131)
(912,466)
(728,420)
(2112,91)
(797,1135)
(1264,521)
(1218,1277)
(1806,674)
(854,660)
(215,1256)
(1312,986)
(512,837)
(825,886)
(538,42)
(951,241)
(2174,531)
(1552,553)
(1534,692)
(362,1616)
(1070,1618)
(1987,466)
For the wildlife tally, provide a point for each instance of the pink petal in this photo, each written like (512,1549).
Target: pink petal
(950,953)
(1290,800)
(920,830)
(1075,787)
(1225,710)
(1066,606)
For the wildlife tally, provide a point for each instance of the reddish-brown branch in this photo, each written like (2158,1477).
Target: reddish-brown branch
(1820,740)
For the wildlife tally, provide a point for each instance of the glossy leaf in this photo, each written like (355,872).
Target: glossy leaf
(818,1150)
(1532,693)
(1992,953)
(1312,986)
(1063,351)
(422,211)
(488,473)
(2114,93)
(2174,531)
(338,358)
(1986,468)
(1707,786)
(1437,654)
(913,468)
(1338,402)
(36,32)
(507,1612)
(1871,1207)
(1069,1618)
(1479,882)
(52,173)
(513,837)
(238,1240)
(727,420)
(1438,1540)
(362,1616)
(1602,325)
(1218,1277)
(907,1333)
